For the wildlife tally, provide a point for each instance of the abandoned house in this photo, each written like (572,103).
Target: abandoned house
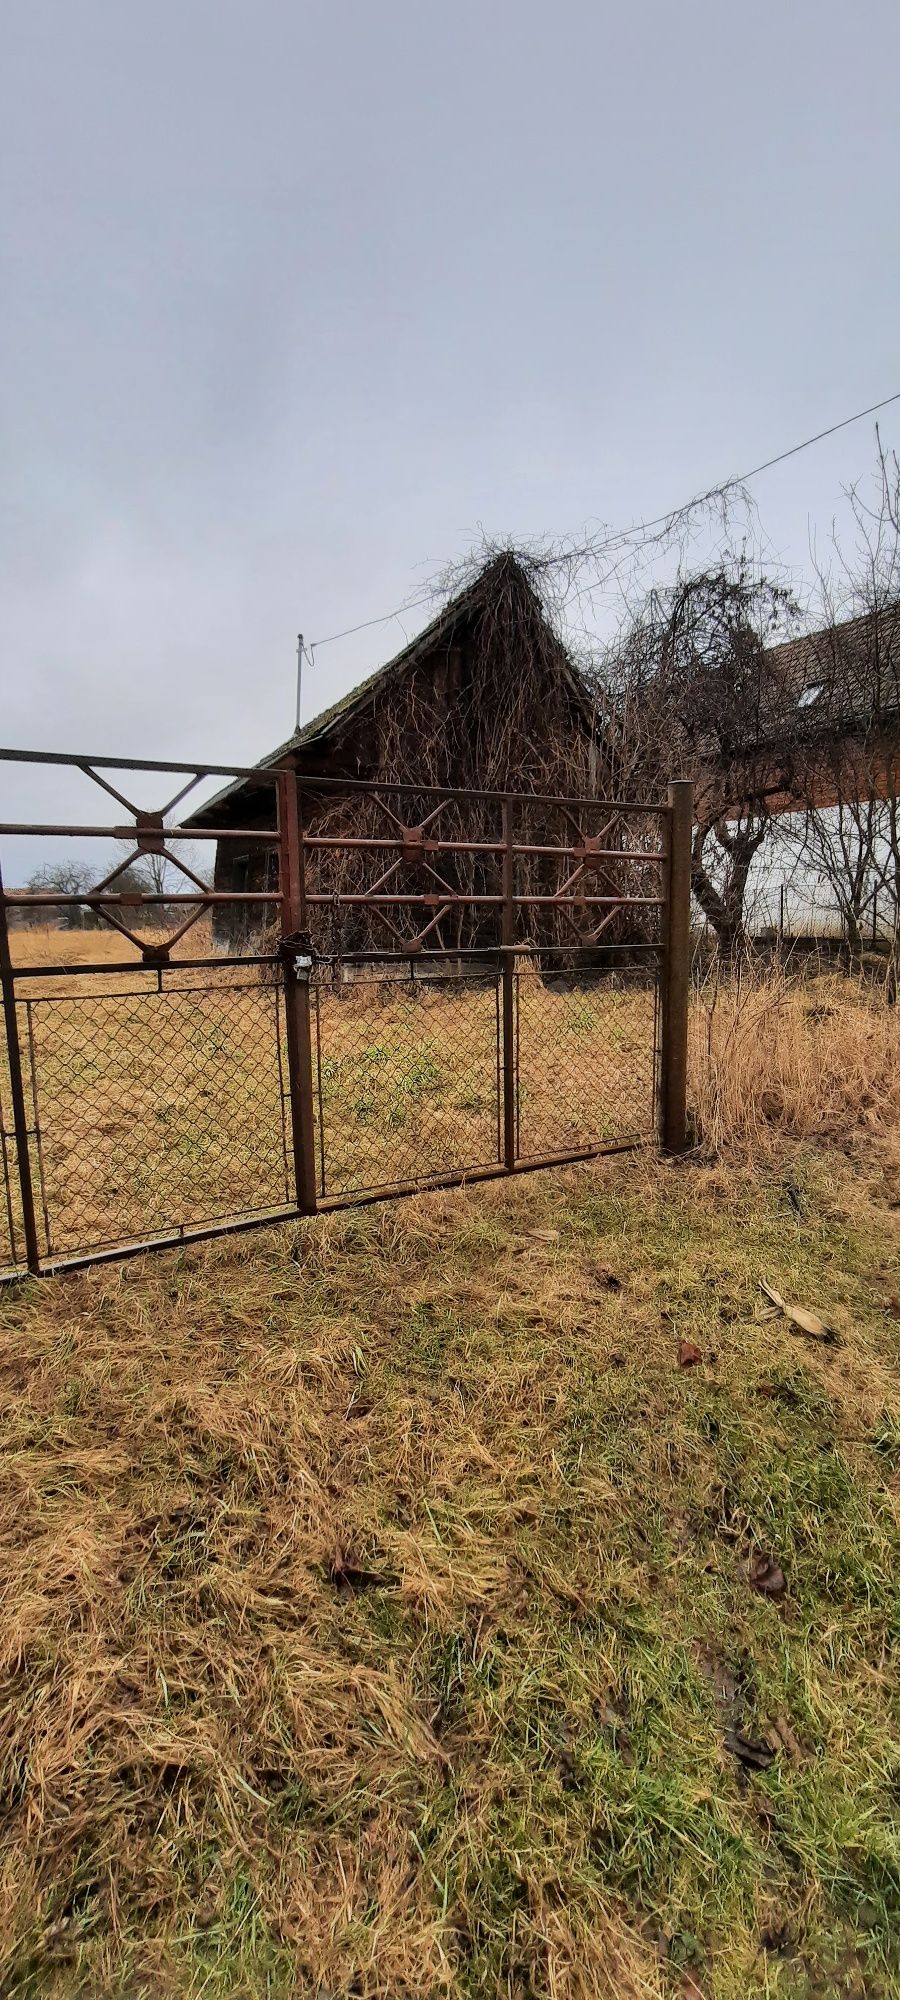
(486,698)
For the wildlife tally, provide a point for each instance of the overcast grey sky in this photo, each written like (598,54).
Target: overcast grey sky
(297,297)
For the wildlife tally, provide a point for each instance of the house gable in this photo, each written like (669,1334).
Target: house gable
(497,618)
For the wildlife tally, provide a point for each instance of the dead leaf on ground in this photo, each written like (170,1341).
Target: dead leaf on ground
(688,1354)
(347,1574)
(784,1735)
(543,1235)
(767,1576)
(753,1754)
(613,1715)
(798,1316)
(722,1679)
(780,1392)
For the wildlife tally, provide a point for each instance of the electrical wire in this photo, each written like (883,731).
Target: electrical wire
(640,527)
(842,426)
(385,619)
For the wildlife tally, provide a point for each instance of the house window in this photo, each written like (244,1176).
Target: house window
(810,695)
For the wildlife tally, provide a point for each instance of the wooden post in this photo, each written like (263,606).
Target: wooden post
(296,994)
(17,1095)
(508,992)
(676,969)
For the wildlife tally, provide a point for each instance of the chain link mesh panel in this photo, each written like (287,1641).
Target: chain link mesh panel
(407,1076)
(154,1109)
(586,1057)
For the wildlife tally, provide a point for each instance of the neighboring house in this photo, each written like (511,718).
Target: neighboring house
(834,729)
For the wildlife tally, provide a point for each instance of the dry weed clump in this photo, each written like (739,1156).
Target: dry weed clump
(775,1057)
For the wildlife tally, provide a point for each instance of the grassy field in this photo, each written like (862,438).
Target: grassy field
(42,944)
(485,1595)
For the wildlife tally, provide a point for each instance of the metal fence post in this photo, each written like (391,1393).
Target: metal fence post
(17,1095)
(679,821)
(508,991)
(296,993)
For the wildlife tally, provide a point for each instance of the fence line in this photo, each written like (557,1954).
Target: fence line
(527,1006)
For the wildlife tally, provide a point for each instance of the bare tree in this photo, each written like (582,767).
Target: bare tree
(852,711)
(692,688)
(162,873)
(65,878)
(74,878)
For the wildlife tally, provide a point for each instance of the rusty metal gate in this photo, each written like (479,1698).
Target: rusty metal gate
(395,988)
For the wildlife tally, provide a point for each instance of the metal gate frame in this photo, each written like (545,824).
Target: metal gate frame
(300,899)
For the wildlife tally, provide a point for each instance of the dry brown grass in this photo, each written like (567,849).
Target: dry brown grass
(44,944)
(369,1589)
(775,1058)
(359,1592)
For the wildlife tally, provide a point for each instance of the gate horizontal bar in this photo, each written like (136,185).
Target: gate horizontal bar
(78,763)
(101,967)
(396,955)
(392,844)
(432,1183)
(37,899)
(313,781)
(452,897)
(51,1267)
(127,831)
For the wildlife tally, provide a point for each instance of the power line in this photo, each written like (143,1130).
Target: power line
(640,527)
(842,426)
(741,478)
(385,619)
